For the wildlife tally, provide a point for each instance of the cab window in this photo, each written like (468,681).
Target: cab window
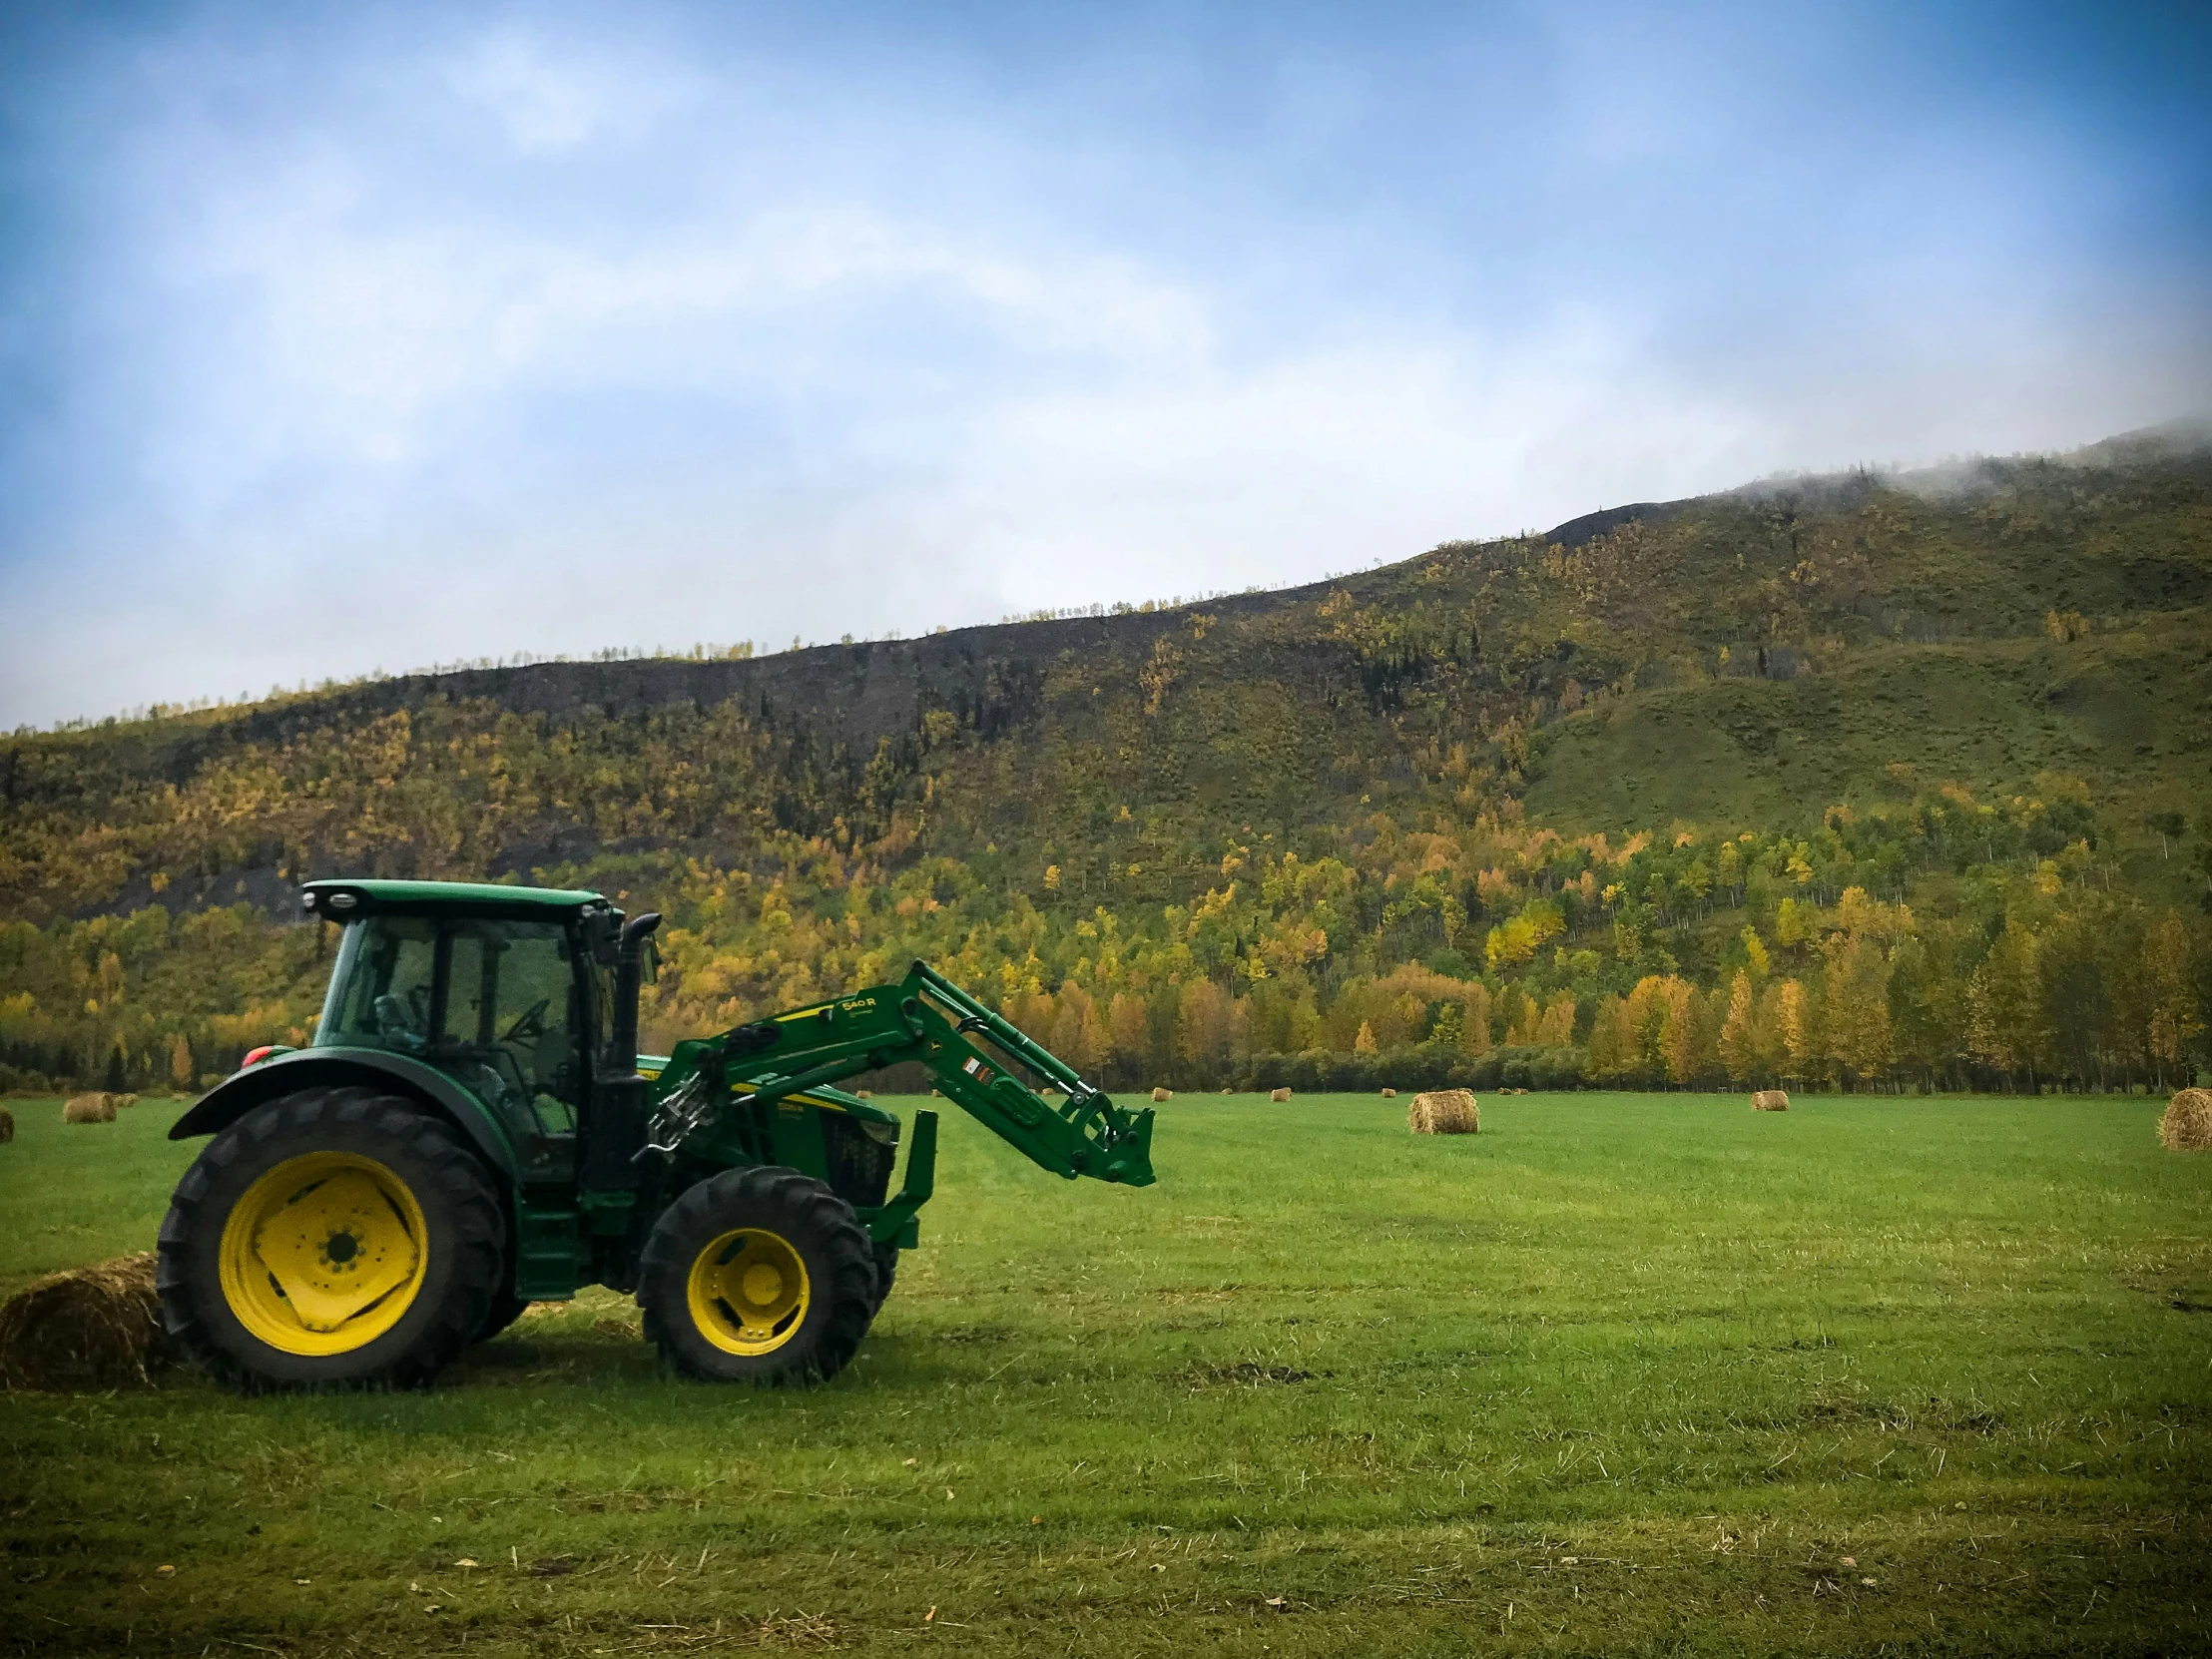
(510,1017)
(498,1005)
(381,989)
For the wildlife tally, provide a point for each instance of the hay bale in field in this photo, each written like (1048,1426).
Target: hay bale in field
(1159,1095)
(1278,1096)
(7,1126)
(88,1108)
(88,1327)
(1390,1094)
(862,1094)
(1770,1100)
(2187,1125)
(1445,1112)
(123,1100)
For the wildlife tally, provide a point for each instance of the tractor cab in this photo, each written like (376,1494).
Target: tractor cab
(509,991)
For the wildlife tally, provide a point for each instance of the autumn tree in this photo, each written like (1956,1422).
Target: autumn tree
(1129,1032)
(2175,1014)
(1739,1045)
(2006,1022)
(1796,1018)
(1202,1029)
(1855,1011)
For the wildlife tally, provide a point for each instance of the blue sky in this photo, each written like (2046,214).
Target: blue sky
(335,338)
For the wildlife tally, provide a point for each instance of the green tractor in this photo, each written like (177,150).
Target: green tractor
(473,1130)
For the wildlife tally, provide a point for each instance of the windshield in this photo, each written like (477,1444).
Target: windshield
(380,993)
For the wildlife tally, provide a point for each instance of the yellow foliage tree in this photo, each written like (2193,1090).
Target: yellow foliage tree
(1856,1006)
(1740,1030)
(1798,1021)
(1129,1029)
(2175,1016)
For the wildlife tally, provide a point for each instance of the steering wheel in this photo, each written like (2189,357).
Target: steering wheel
(529,1024)
(401,1019)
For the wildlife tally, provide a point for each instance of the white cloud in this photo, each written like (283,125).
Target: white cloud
(549,100)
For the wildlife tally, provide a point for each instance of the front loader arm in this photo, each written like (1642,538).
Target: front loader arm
(973,1055)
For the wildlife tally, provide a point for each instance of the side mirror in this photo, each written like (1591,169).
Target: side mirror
(602,933)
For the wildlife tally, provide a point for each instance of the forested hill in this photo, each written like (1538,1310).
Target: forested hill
(1686,789)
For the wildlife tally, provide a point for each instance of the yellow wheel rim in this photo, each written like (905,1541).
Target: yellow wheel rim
(324,1253)
(748,1291)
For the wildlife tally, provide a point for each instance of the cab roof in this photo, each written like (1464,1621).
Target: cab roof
(340,899)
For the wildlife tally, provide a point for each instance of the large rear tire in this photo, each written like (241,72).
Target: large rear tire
(758,1276)
(333,1237)
(506,1307)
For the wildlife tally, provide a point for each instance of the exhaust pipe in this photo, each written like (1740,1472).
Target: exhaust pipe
(614,1128)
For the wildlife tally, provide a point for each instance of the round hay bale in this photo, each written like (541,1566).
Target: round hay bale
(2187,1125)
(1770,1100)
(1161,1094)
(123,1100)
(88,1108)
(88,1327)
(1278,1096)
(862,1094)
(1390,1094)
(1445,1112)
(7,1126)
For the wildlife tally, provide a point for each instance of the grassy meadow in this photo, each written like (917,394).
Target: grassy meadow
(1623,1374)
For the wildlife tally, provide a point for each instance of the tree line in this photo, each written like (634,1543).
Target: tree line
(1938,942)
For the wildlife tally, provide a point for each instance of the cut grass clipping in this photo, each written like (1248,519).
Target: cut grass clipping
(1770,1100)
(90,1327)
(1445,1112)
(2187,1125)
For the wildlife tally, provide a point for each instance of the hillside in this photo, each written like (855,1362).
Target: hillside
(1903,762)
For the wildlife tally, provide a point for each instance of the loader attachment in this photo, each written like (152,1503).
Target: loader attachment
(976,1059)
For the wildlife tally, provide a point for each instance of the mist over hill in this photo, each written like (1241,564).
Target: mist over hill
(1782,782)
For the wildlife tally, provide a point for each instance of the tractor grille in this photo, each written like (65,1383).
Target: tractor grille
(860,1164)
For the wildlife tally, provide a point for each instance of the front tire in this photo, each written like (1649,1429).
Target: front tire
(333,1237)
(887,1272)
(758,1276)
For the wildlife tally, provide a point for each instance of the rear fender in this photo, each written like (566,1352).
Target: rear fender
(317,1068)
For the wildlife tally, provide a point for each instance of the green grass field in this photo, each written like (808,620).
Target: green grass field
(1623,1375)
